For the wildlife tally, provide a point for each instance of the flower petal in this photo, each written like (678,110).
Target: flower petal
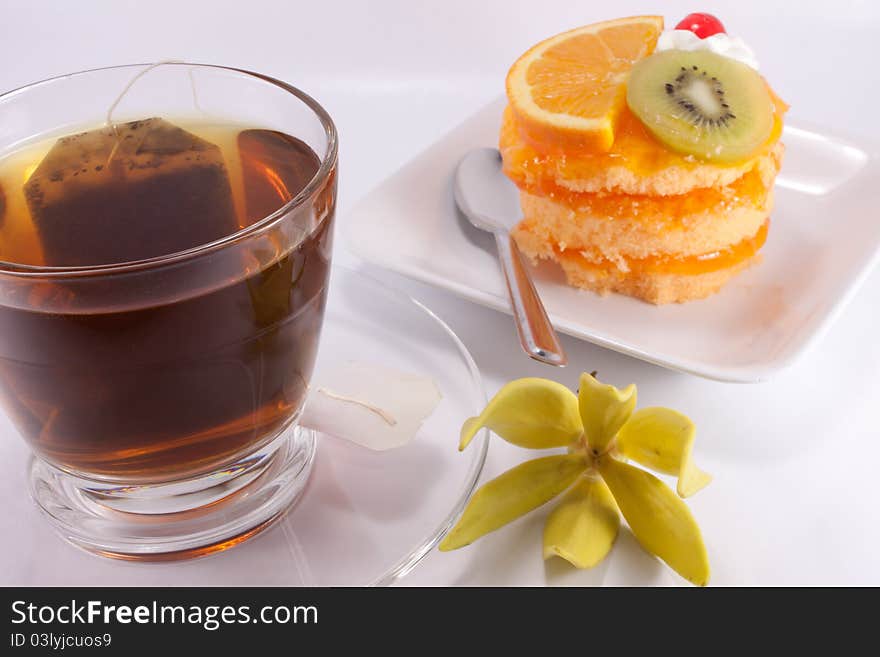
(662,439)
(604,409)
(583,527)
(534,413)
(513,494)
(661,522)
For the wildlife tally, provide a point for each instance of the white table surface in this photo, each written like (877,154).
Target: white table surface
(795,499)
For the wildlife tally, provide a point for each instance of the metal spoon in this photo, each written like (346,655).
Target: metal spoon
(491,203)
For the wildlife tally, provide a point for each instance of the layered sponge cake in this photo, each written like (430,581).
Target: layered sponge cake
(663,197)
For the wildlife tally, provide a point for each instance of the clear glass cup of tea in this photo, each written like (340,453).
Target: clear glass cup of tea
(165,245)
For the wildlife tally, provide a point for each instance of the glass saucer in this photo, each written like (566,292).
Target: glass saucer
(365,517)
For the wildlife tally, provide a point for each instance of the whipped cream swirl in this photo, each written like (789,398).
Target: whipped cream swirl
(721,44)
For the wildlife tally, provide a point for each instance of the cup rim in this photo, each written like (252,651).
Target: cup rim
(328,165)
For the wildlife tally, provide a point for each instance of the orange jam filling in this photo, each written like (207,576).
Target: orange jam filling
(634,147)
(747,191)
(688,266)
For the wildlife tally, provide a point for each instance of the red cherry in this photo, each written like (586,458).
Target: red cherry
(703,25)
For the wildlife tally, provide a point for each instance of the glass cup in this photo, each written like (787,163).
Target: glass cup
(161,396)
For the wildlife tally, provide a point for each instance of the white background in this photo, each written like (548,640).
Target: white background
(795,500)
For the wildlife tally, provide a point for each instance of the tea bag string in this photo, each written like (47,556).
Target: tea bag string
(109,118)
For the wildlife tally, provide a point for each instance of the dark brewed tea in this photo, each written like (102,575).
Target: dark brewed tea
(161,369)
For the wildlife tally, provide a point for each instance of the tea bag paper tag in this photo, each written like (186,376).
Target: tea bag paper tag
(370,405)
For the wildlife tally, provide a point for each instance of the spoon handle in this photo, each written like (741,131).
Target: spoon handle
(536,333)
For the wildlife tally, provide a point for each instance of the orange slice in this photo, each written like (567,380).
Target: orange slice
(570,89)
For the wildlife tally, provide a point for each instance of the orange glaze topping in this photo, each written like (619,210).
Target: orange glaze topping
(634,148)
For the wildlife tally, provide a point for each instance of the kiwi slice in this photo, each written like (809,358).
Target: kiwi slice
(701,103)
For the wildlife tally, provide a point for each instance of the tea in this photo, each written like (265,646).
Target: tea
(158,373)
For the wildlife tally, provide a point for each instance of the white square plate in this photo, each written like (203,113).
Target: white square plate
(823,241)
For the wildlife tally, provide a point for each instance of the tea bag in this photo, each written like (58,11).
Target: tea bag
(128,192)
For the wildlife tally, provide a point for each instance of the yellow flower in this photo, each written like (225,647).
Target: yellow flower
(601,431)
